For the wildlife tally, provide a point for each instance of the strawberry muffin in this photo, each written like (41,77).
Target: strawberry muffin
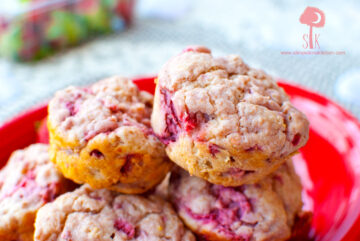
(224,121)
(27,182)
(101,135)
(101,215)
(252,212)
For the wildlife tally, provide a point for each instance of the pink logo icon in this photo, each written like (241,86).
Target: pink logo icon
(313,17)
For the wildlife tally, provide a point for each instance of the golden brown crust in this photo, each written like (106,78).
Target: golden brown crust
(197,160)
(145,172)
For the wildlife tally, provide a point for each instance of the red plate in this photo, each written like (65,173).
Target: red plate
(329,165)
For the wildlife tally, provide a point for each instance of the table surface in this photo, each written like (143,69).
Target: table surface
(259,31)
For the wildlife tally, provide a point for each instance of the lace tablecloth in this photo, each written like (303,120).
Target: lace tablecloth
(260,31)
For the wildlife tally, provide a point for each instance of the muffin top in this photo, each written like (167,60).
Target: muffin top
(225,102)
(81,113)
(75,216)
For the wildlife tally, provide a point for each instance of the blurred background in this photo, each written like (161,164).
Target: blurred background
(134,38)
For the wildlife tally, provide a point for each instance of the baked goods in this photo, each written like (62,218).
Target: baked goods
(262,211)
(224,121)
(102,136)
(88,214)
(27,182)
(229,125)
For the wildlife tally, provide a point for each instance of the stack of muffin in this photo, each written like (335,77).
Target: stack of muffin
(229,128)
(232,131)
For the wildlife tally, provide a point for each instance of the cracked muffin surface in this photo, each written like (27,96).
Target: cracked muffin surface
(101,135)
(88,214)
(224,121)
(252,212)
(27,182)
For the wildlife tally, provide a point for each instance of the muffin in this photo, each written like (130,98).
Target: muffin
(88,214)
(224,121)
(262,211)
(101,135)
(27,182)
